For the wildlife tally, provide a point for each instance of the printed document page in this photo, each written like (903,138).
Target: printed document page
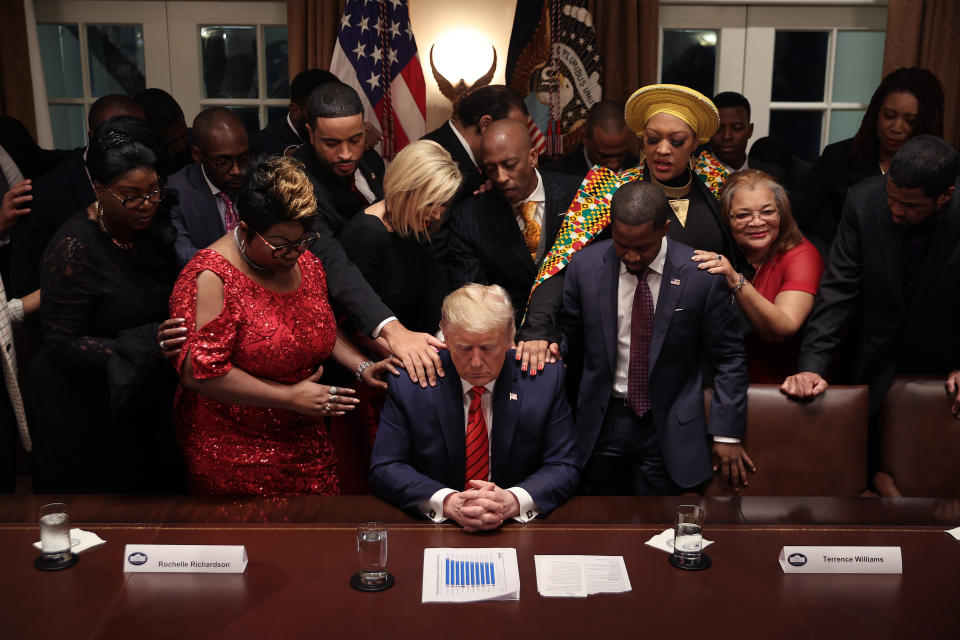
(470,575)
(580,576)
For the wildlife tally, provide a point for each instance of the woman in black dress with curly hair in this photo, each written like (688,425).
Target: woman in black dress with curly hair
(101,392)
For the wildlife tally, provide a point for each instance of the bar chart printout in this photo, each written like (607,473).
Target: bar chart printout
(470,575)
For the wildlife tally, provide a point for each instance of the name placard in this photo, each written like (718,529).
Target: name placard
(841,560)
(184,558)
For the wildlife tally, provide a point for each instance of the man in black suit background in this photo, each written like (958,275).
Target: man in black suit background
(290,131)
(21,160)
(896,261)
(461,135)
(346,179)
(729,143)
(208,188)
(500,236)
(606,141)
(57,195)
(167,121)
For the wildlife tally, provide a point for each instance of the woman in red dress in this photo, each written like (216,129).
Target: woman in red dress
(787,268)
(250,409)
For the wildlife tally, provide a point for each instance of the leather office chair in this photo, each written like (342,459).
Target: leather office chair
(919,438)
(816,448)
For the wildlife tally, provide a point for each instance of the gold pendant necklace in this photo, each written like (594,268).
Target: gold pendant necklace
(677,198)
(126,246)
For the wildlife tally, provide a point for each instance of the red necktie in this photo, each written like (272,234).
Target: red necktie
(641,330)
(478,447)
(229,213)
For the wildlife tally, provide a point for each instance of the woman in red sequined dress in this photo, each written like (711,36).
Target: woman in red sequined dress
(250,409)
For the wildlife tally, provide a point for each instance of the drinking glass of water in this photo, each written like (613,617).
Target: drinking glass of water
(372,558)
(55,538)
(688,538)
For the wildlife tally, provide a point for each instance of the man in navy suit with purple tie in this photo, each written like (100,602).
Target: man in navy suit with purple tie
(643,318)
(488,444)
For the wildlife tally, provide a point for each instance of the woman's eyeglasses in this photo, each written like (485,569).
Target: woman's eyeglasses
(743,217)
(135,202)
(282,250)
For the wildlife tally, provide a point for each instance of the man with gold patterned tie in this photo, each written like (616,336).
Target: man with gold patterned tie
(500,236)
(486,445)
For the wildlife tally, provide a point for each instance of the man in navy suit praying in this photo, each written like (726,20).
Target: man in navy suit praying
(448,451)
(642,317)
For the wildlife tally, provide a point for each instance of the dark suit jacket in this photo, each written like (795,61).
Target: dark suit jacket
(274,138)
(196,216)
(57,195)
(865,273)
(817,201)
(575,163)
(29,158)
(486,245)
(694,320)
(421,443)
(336,201)
(472,178)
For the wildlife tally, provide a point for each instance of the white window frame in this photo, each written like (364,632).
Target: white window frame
(745,45)
(151,15)
(171,48)
(762,24)
(185,21)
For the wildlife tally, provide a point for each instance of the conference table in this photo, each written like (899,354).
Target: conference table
(302,552)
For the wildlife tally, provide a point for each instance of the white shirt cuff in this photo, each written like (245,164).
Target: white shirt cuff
(726,440)
(432,507)
(15,309)
(528,508)
(376,332)
(4,240)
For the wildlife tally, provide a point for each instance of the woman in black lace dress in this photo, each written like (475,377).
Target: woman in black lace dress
(101,391)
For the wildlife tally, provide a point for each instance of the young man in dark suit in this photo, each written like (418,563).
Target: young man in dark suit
(449,451)
(606,142)
(500,236)
(286,134)
(893,266)
(643,318)
(346,178)
(208,188)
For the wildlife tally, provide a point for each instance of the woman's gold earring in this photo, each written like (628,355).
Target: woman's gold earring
(693,163)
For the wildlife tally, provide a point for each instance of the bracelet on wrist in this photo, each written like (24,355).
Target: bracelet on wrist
(737,288)
(360,367)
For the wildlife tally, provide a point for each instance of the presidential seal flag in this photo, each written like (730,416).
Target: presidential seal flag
(376,54)
(554,61)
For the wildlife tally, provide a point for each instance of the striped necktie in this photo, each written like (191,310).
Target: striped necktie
(478,447)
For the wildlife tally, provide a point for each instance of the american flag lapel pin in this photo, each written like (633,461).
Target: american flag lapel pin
(513,396)
(675,281)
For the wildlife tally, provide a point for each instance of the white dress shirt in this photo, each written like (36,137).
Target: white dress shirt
(538,195)
(363,186)
(433,506)
(626,287)
(221,205)
(463,141)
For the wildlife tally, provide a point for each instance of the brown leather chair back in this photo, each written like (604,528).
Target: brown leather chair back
(816,448)
(919,438)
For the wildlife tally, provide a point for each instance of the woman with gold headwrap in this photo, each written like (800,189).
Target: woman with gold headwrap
(671,121)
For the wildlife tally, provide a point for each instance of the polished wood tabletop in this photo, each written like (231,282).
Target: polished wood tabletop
(302,553)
